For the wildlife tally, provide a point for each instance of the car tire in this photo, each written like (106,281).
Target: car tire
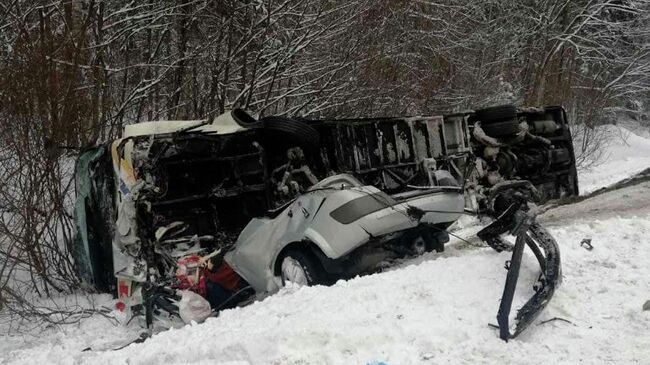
(301,268)
(275,129)
(435,241)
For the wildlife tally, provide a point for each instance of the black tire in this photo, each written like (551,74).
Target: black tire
(313,270)
(243,118)
(435,241)
(496,113)
(501,129)
(498,121)
(282,129)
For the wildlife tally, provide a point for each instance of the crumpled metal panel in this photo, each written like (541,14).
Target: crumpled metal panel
(93,212)
(84,183)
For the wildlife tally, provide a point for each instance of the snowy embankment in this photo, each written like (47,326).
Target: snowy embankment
(431,310)
(435,311)
(627,153)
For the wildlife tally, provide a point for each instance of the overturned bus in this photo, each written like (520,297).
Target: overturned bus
(293,199)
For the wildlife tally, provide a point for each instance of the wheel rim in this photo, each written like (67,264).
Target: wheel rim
(419,246)
(293,272)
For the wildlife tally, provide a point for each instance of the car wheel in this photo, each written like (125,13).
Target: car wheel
(435,241)
(301,268)
(419,246)
(294,131)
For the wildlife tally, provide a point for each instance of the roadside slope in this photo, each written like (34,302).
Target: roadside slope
(434,311)
(626,154)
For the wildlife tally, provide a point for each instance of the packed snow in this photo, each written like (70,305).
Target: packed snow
(436,310)
(431,310)
(627,153)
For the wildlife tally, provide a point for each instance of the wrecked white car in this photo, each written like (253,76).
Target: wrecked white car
(340,228)
(311,201)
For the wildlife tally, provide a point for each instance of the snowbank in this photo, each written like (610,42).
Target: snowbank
(434,311)
(627,154)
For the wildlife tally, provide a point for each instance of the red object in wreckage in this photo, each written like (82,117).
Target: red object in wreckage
(120,306)
(224,276)
(123,289)
(189,274)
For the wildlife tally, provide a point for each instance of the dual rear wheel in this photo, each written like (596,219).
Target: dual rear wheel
(499,121)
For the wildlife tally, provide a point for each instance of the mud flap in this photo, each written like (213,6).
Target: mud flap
(528,232)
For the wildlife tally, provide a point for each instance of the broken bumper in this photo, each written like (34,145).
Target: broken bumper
(532,234)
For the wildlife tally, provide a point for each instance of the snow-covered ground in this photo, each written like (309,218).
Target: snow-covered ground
(431,310)
(627,153)
(436,310)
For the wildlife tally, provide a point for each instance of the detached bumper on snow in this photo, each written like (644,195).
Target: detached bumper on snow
(517,221)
